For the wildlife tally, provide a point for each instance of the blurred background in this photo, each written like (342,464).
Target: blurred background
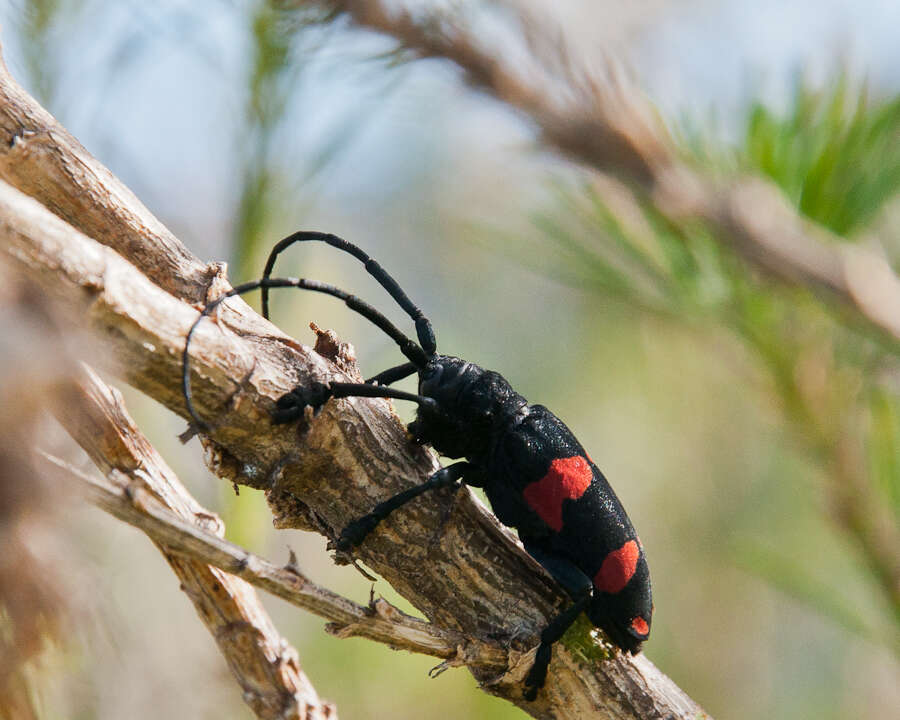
(722,406)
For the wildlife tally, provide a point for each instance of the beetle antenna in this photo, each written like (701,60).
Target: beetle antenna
(424,330)
(410,349)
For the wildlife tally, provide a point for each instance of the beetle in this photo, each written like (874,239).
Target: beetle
(536,475)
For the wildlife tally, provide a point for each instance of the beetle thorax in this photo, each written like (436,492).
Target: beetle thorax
(476,405)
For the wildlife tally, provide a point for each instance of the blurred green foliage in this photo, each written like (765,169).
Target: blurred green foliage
(269,82)
(836,154)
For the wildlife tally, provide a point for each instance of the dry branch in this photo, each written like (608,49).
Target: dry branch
(123,496)
(265,665)
(38,598)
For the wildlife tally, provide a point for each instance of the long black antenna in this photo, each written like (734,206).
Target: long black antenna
(410,349)
(424,331)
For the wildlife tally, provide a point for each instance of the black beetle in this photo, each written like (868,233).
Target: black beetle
(536,475)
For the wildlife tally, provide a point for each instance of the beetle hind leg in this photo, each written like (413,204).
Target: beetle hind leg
(359,529)
(579,587)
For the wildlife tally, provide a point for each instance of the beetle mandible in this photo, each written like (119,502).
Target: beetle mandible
(536,475)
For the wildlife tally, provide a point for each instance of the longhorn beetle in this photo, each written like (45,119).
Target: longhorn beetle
(536,475)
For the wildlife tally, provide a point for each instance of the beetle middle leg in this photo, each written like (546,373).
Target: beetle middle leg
(356,532)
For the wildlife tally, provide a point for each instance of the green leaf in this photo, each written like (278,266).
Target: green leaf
(836,154)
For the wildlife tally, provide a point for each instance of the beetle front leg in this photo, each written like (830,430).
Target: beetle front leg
(290,407)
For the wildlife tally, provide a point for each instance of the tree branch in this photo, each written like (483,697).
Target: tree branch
(126,497)
(264,664)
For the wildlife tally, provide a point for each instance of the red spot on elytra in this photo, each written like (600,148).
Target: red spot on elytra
(618,568)
(567,479)
(640,626)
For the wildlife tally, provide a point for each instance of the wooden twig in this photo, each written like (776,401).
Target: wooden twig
(264,664)
(124,496)
(38,596)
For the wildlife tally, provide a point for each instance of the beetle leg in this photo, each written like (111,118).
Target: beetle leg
(392,375)
(290,407)
(357,531)
(579,587)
